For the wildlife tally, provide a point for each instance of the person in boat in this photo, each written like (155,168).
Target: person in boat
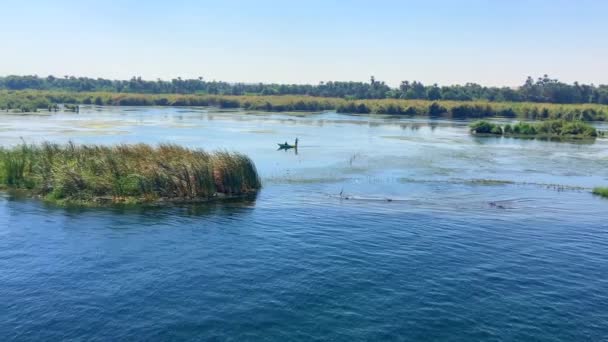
(296,143)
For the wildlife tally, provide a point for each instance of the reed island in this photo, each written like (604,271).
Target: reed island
(134,174)
(559,129)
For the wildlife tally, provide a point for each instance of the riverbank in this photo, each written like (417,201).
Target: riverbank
(95,175)
(33,100)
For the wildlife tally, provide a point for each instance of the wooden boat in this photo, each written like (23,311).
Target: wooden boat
(286,146)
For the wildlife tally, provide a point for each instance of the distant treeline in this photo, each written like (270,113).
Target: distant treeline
(543,89)
(31,100)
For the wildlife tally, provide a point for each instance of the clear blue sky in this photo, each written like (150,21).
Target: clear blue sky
(493,42)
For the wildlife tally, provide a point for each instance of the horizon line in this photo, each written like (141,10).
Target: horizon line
(203,79)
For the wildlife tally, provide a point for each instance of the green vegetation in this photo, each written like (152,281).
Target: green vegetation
(91,174)
(31,100)
(477,109)
(24,102)
(601,191)
(484,127)
(547,129)
(543,89)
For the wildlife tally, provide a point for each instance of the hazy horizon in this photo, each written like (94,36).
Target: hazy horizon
(486,42)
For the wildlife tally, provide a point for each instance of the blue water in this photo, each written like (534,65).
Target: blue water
(436,236)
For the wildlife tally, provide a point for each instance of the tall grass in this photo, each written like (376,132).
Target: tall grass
(125,173)
(28,99)
(478,109)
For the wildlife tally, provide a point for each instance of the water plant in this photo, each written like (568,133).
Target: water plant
(90,174)
(601,191)
(550,128)
(485,127)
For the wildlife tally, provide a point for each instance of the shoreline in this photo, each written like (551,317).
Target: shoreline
(24,101)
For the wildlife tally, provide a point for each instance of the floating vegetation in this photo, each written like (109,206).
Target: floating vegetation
(495,182)
(545,129)
(601,191)
(93,174)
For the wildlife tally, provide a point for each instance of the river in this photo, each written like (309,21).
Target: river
(376,228)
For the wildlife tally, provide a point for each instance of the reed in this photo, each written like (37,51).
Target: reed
(31,100)
(89,174)
(485,127)
(548,129)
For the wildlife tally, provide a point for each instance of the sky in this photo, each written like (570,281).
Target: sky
(491,42)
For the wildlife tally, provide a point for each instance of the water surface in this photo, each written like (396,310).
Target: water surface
(378,228)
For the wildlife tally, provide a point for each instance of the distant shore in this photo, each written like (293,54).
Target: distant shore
(26,101)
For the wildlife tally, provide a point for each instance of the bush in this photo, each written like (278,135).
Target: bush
(229,103)
(436,109)
(485,127)
(363,109)
(496,130)
(578,128)
(524,128)
(472,111)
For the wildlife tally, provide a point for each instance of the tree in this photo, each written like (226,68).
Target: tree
(434,93)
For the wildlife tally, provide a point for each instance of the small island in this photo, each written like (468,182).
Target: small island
(546,129)
(97,175)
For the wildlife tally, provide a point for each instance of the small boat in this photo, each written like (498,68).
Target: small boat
(286,146)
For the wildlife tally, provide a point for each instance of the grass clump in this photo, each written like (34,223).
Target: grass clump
(601,191)
(89,174)
(485,127)
(544,129)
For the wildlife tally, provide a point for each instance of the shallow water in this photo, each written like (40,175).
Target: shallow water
(378,228)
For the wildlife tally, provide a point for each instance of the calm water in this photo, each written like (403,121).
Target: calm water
(437,236)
